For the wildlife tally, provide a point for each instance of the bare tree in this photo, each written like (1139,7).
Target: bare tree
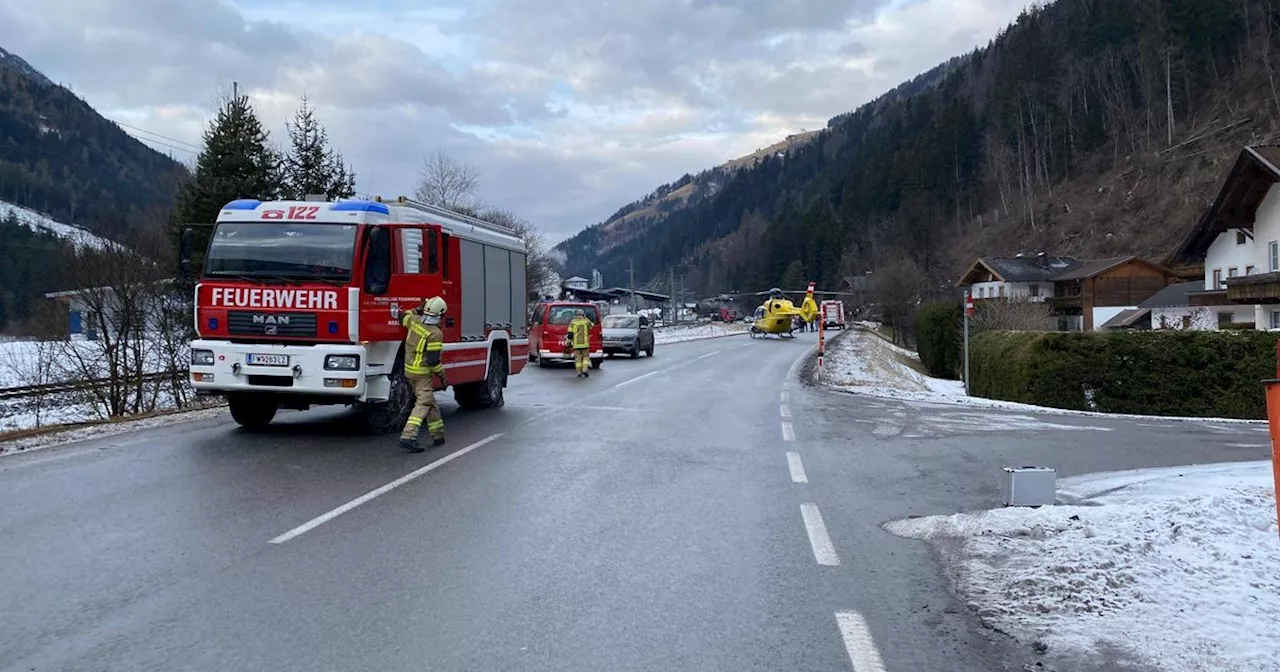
(29,364)
(448,183)
(116,291)
(899,282)
(1012,314)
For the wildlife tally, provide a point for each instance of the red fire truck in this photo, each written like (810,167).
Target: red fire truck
(299,304)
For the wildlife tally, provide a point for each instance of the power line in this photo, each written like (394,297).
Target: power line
(195,147)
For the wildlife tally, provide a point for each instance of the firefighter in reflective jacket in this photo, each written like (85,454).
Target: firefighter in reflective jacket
(423,354)
(580,340)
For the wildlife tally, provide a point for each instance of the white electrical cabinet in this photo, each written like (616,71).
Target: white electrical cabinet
(1028,486)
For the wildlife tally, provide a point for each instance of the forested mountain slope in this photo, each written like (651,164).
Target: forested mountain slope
(1086,128)
(60,157)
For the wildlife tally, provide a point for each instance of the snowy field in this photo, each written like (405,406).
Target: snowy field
(694,332)
(38,222)
(25,363)
(862,363)
(1172,568)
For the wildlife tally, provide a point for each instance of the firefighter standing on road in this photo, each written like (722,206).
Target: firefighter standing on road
(423,352)
(580,340)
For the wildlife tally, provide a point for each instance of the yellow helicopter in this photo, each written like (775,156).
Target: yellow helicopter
(777,314)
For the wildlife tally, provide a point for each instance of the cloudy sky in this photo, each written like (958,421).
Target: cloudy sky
(569,109)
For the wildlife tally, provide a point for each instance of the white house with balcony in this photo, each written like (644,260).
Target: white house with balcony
(1238,241)
(1022,277)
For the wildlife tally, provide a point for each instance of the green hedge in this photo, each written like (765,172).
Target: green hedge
(1178,373)
(939,338)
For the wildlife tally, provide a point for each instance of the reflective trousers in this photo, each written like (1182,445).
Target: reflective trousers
(581,359)
(424,410)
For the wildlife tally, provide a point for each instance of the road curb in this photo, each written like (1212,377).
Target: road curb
(7,438)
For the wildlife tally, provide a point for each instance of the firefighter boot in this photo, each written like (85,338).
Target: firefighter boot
(438,441)
(412,445)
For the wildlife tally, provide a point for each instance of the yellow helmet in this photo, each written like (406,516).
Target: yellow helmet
(434,306)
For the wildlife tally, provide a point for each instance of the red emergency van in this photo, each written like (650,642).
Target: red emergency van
(549,326)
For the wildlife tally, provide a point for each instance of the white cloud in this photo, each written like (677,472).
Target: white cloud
(569,110)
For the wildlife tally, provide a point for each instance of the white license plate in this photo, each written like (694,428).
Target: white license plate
(268,360)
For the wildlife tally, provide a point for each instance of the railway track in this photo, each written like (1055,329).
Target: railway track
(28,391)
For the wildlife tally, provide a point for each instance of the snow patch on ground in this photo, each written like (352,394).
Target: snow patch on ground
(694,332)
(1178,567)
(38,222)
(862,363)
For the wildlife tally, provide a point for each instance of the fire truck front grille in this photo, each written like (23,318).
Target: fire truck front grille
(246,323)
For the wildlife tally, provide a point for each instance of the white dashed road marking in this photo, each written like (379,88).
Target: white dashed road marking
(823,550)
(783,397)
(641,377)
(713,352)
(788,434)
(320,520)
(797,468)
(786,412)
(858,642)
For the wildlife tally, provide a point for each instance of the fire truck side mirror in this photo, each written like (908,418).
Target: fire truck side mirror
(185,244)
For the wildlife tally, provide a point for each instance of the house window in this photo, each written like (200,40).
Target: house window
(1217,278)
(1273,252)
(1186,321)
(1275,319)
(1248,270)
(1240,238)
(1233,272)
(1035,290)
(1225,318)
(1001,291)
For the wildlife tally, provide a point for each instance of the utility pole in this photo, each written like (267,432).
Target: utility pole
(631,271)
(671,276)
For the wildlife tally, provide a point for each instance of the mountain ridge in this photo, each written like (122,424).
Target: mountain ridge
(1053,137)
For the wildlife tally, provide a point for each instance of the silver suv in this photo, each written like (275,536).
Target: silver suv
(627,333)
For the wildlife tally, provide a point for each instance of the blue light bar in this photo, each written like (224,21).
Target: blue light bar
(243,204)
(360,206)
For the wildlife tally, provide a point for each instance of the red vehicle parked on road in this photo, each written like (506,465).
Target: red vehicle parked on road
(550,325)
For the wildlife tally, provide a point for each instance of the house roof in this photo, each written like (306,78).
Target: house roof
(1089,269)
(1176,295)
(1020,269)
(1125,318)
(577,278)
(1256,169)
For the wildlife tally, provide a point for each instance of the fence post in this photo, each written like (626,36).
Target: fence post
(968,310)
(821,338)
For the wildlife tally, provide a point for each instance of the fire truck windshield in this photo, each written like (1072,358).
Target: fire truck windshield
(282,249)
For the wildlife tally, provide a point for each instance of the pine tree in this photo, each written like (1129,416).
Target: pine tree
(312,167)
(237,162)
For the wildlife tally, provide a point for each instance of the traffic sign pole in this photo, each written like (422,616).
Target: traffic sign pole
(968,310)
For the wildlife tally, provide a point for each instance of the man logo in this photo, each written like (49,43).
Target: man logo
(261,318)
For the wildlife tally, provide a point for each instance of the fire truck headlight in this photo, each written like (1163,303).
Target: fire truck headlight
(342,363)
(202,357)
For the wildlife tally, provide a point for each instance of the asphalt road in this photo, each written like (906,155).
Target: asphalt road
(700,510)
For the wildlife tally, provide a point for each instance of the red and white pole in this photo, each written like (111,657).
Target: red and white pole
(822,320)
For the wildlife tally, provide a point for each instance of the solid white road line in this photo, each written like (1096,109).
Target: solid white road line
(318,521)
(797,468)
(640,377)
(858,642)
(788,434)
(713,352)
(823,550)
(786,412)
(783,397)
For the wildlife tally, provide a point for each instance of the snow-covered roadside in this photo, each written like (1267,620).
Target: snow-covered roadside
(862,363)
(98,431)
(696,332)
(1176,567)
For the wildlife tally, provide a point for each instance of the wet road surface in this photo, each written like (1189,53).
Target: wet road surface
(700,510)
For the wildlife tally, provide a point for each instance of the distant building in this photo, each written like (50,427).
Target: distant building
(576,282)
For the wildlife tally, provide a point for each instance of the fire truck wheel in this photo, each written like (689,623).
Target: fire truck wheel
(595,363)
(250,411)
(487,393)
(390,415)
